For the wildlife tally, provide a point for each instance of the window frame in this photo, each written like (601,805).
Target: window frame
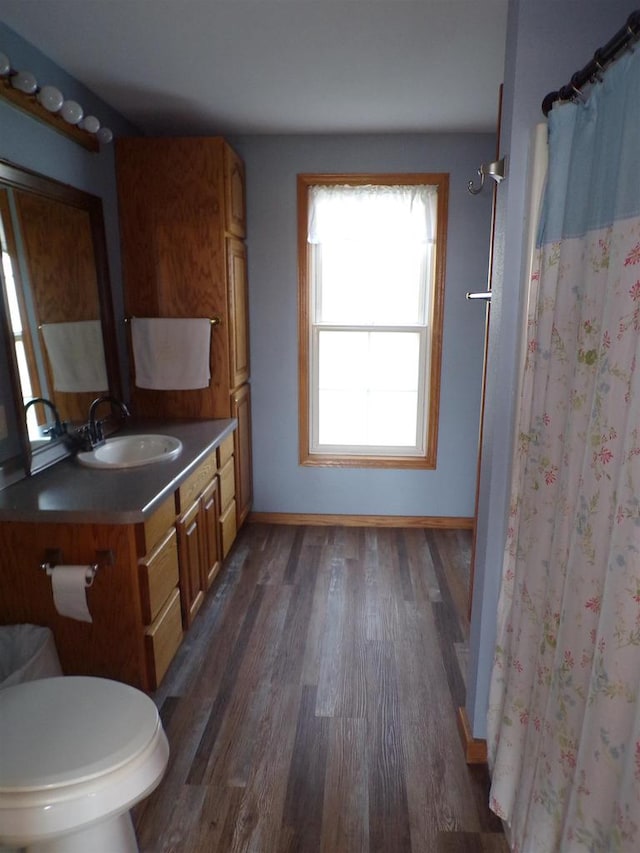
(435,319)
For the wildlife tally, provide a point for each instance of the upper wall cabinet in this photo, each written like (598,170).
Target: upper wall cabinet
(182,216)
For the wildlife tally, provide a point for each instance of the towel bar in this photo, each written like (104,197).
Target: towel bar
(215,321)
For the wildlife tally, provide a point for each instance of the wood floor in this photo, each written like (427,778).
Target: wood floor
(312,706)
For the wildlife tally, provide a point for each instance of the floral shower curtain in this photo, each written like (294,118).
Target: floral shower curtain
(564,715)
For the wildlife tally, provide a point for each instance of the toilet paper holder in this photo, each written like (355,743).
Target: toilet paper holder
(89,574)
(53,558)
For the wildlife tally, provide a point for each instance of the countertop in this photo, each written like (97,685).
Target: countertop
(70,492)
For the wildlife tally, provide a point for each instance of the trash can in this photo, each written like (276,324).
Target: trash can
(27,652)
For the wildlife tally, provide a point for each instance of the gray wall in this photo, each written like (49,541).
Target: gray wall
(281,484)
(547,41)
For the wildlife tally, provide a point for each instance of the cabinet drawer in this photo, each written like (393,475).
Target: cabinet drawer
(228,527)
(162,639)
(227,484)
(196,482)
(157,525)
(225,450)
(158,575)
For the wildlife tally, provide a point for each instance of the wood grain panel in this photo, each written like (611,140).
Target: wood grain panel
(388,807)
(346,795)
(216,714)
(190,528)
(113,599)
(61,267)
(224,451)
(241,410)
(212,546)
(305,734)
(172,203)
(238,312)
(156,526)
(231,759)
(419,521)
(196,483)
(158,572)
(61,262)
(235,209)
(303,805)
(162,639)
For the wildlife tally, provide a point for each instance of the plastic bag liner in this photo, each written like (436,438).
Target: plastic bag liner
(27,652)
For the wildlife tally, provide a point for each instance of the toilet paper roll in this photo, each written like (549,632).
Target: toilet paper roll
(69,584)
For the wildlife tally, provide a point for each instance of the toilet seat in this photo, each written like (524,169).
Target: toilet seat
(74,751)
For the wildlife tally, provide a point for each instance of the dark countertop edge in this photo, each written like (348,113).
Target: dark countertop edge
(19,502)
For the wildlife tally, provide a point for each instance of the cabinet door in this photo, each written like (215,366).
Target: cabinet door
(235,217)
(241,409)
(190,528)
(212,559)
(238,313)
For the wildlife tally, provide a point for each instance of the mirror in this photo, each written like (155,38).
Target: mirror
(57,300)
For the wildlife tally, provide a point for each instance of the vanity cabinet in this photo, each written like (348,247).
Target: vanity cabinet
(134,599)
(152,578)
(183,223)
(206,525)
(228,514)
(160,594)
(190,534)
(212,549)
(241,411)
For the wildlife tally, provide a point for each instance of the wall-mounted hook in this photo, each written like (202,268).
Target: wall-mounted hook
(494,170)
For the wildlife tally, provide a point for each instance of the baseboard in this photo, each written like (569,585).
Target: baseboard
(320,520)
(475,749)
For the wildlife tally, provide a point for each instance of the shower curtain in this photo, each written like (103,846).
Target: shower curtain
(564,707)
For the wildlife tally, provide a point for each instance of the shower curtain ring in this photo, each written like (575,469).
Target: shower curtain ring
(578,93)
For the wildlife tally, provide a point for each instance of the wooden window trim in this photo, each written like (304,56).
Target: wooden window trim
(304,181)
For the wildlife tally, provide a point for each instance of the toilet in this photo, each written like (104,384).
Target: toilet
(76,753)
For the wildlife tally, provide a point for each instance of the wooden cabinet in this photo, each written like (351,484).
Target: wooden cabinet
(190,535)
(158,572)
(212,549)
(182,218)
(238,304)
(228,516)
(160,594)
(206,525)
(241,410)
(133,599)
(152,579)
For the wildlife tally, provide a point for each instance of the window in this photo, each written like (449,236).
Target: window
(371,271)
(17,314)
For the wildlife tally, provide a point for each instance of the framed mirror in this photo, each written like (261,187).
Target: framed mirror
(58,314)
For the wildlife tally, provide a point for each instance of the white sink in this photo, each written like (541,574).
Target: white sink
(131,451)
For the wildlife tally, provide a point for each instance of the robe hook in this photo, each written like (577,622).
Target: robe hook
(494,170)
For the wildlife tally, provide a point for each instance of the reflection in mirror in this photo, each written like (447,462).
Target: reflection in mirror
(58,299)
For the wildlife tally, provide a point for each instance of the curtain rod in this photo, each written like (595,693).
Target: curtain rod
(603,56)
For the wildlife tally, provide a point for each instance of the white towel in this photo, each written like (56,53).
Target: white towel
(76,355)
(171,354)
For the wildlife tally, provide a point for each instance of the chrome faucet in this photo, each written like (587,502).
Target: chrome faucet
(94,427)
(58,428)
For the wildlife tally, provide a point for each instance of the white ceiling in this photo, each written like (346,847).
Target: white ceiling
(279,66)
